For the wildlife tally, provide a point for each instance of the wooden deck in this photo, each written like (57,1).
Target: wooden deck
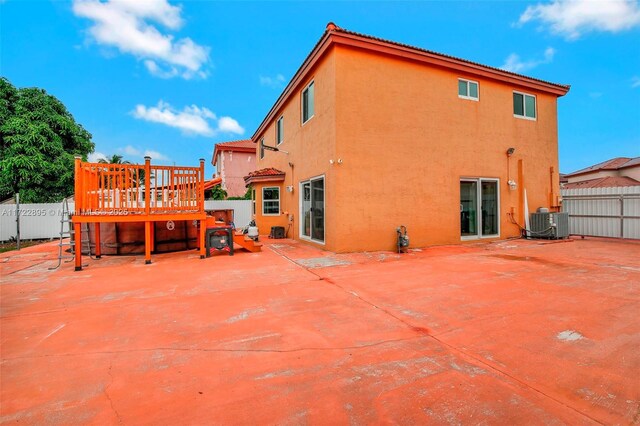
(137,193)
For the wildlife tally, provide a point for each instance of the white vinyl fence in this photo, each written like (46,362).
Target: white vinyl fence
(42,221)
(603,212)
(241,210)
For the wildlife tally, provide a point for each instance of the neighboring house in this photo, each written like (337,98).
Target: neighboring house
(374,134)
(619,171)
(233,160)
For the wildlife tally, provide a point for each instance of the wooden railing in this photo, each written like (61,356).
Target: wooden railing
(123,189)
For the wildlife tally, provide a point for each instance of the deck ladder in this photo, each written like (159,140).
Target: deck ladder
(66,231)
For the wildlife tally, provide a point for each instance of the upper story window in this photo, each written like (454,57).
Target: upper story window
(468,89)
(280,130)
(261,148)
(307,103)
(270,201)
(524,106)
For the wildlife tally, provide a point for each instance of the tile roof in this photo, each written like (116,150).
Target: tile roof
(245,143)
(208,184)
(633,162)
(612,164)
(270,171)
(408,46)
(604,182)
(264,175)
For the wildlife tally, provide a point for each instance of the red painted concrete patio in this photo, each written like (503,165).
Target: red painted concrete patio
(513,332)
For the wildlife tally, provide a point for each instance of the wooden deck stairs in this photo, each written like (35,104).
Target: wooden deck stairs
(247,243)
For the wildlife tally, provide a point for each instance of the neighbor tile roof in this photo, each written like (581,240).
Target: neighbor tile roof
(231,145)
(612,164)
(208,184)
(604,182)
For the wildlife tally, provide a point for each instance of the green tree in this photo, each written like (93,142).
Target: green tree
(38,140)
(115,159)
(246,196)
(137,173)
(217,193)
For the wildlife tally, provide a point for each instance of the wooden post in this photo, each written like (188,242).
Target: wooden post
(203,221)
(77,244)
(201,186)
(147,242)
(77,196)
(203,230)
(147,185)
(153,237)
(97,234)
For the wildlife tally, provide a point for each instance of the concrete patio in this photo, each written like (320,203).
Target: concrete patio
(511,332)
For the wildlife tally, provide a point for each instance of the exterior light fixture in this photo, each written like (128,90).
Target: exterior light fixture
(273,148)
(510,152)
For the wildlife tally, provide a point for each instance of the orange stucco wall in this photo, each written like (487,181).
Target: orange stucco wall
(310,147)
(406,139)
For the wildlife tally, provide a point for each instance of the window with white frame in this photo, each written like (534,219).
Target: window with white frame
(468,89)
(280,130)
(261,148)
(270,201)
(308,103)
(524,105)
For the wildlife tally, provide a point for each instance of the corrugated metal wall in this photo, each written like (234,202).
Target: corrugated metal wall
(603,212)
(41,221)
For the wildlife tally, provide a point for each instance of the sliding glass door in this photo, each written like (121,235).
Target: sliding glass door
(312,209)
(479,208)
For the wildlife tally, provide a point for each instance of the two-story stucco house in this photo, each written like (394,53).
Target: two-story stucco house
(372,134)
(233,160)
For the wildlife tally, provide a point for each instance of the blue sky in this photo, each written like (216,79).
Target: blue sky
(171,79)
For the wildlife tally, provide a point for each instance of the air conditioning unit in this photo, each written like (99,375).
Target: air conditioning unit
(549,225)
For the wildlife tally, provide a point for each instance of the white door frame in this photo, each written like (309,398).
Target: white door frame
(479,223)
(324,206)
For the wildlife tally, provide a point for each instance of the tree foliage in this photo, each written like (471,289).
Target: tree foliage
(39,139)
(217,193)
(138,174)
(246,196)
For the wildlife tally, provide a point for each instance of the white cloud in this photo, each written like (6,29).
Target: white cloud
(513,62)
(129,150)
(191,120)
(128,26)
(229,125)
(132,151)
(96,156)
(273,82)
(155,155)
(635,82)
(572,18)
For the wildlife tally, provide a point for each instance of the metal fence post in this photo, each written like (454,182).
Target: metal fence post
(18,221)
(621,215)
